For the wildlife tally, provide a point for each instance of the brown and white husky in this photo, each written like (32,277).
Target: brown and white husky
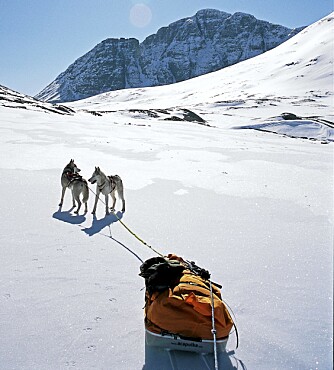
(107,185)
(71,179)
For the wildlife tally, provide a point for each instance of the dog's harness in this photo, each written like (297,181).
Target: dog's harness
(112,184)
(72,176)
(101,186)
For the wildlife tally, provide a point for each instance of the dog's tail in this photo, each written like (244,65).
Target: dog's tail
(85,192)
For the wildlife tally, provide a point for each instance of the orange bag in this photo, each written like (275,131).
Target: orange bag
(184,307)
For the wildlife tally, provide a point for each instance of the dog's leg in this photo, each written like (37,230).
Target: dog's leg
(96,200)
(74,196)
(107,208)
(120,192)
(76,191)
(79,205)
(112,194)
(62,196)
(85,192)
(73,199)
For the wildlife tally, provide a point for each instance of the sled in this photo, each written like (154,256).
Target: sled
(184,310)
(171,342)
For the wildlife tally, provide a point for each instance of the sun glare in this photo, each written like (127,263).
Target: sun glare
(140,15)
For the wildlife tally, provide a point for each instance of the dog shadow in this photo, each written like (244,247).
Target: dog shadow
(99,225)
(67,216)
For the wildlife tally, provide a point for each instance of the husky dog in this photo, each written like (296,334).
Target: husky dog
(71,179)
(107,185)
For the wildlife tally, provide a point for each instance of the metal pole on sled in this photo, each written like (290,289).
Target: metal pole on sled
(213,331)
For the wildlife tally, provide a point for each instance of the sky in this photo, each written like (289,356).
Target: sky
(39,39)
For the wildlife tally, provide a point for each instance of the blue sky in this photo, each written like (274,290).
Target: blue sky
(39,39)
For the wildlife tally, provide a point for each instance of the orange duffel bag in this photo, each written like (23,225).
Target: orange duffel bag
(178,299)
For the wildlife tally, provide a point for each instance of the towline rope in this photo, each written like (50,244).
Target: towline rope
(213,331)
(129,230)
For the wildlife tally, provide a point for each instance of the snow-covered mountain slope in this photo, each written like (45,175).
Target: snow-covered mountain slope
(294,77)
(253,208)
(206,42)
(292,70)
(14,99)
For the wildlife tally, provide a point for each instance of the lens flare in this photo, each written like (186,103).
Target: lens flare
(140,15)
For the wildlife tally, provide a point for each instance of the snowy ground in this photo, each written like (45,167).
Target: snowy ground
(254,208)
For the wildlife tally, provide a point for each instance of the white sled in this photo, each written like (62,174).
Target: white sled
(175,342)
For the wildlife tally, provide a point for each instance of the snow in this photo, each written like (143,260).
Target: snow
(296,128)
(253,207)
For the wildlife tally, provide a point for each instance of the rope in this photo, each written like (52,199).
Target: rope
(213,331)
(128,229)
(234,324)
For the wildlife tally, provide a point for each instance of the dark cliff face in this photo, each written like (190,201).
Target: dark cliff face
(206,42)
(112,63)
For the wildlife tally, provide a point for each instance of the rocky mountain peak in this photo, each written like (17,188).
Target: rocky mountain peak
(189,47)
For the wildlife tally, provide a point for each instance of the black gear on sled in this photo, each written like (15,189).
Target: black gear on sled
(160,273)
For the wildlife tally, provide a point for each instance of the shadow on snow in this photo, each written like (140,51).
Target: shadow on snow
(96,227)
(66,216)
(162,359)
(99,225)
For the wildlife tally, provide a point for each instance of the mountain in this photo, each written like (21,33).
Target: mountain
(190,47)
(13,99)
(254,94)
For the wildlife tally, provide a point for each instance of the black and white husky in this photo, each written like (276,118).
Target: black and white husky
(71,179)
(107,185)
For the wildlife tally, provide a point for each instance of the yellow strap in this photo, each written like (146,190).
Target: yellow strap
(129,230)
(136,236)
